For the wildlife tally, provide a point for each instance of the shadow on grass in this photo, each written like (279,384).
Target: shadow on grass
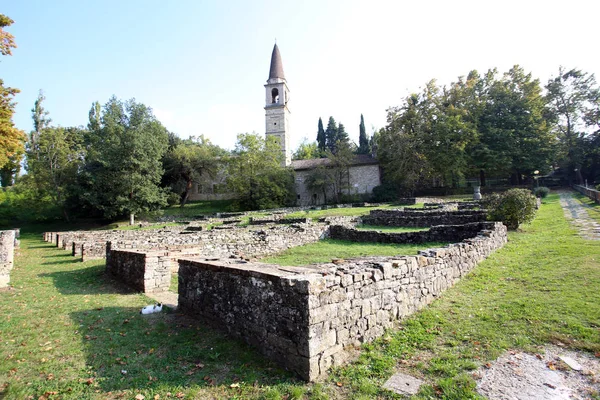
(128,350)
(90,280)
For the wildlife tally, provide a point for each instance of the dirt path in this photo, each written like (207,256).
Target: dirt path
(577,214)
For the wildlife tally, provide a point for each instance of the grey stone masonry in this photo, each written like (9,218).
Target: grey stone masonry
(422,218)
(441,233)
(148,266)
(7,250)
(305,317)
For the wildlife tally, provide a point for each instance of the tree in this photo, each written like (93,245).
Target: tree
(514,136)
(339,163)
(320,180)
(363,140)
(255,174)
(12,140)
(321,137)
(190,161)
(55,163)
(331,134)
(573,101)
(306,151)
(123,164)
(40,121)
(7,41)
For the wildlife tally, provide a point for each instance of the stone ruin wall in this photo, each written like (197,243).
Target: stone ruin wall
(440,233)
(7,254)
(149,269)
(423,218)
(304,317)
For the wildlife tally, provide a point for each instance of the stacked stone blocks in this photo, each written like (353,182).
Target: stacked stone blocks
(305,318)
(7,250)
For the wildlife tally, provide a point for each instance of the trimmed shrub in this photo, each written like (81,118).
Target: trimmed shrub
(512,208)
(541,192)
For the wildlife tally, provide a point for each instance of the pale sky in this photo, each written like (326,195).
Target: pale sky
(201,65)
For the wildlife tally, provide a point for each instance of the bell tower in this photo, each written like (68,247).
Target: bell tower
(277,113)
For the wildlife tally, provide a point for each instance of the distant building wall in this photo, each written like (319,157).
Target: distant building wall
(363,178)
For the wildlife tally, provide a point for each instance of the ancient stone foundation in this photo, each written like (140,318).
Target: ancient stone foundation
(422,218)
(147,267)
(441,233)
(305,317)
(7,250)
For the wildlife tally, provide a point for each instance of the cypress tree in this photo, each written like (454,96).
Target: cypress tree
(331,134)
(363,141)
(321,138)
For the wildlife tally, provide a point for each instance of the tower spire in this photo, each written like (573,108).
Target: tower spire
(276,70)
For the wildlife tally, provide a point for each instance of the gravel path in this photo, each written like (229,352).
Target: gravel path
(555,373)
(577,214)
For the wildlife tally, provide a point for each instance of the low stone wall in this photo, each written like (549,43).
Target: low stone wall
(304,317)
(591,193)
(148,272)
(422,218)
(135,264)
(441,233)
(7,253)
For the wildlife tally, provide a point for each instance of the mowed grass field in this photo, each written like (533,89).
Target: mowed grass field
(68,331)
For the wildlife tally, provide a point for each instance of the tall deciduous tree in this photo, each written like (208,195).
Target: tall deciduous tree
(12,140)
(255,174)
(55,163)
(40,121)
(573,98)
(363,140)
(321,137)
(123,165)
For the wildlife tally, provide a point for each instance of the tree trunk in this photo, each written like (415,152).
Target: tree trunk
(481,177)
(186,194)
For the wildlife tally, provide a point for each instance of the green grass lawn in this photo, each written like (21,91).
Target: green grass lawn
(328,249)
(199,207)
(68,329)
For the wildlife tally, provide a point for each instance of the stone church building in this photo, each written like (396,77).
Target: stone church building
(363,173)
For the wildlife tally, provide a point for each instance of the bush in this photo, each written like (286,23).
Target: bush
(173,199)
(598,187)
(513,207)
(541,192)
(385,192)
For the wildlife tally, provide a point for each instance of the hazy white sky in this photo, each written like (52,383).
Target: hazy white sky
(201,65)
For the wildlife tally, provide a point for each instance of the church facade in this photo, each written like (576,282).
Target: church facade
(362,175)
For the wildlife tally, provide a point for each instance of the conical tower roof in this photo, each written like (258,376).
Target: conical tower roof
(276,70)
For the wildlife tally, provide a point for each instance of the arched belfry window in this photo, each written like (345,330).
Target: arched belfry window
(275,95)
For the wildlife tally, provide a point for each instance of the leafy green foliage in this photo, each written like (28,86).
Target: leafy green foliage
(478,124)
(513,207)
(256,176)
(22,203)
(123,165)
(195,160)
(574,107)
(541,192)
(307,151)
(55,161)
